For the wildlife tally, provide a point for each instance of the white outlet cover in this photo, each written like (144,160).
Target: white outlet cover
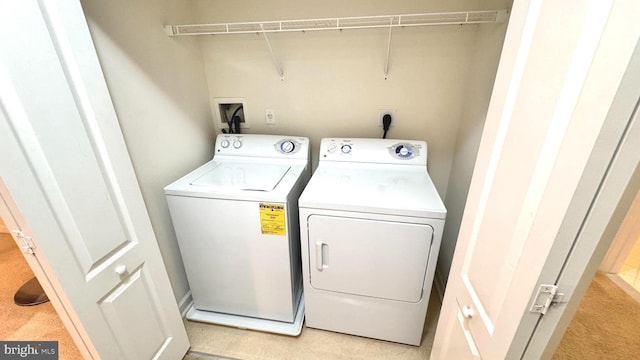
(391,112)
(270,116)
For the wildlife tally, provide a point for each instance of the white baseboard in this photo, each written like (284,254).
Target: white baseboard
(439,285)
(185,303)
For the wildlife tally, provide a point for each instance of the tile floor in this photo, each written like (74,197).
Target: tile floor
(312,344)
(630,271)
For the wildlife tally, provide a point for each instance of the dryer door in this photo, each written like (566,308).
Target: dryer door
(373,258)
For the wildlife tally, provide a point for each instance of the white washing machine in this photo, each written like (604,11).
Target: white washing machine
(371,222)
(236,220)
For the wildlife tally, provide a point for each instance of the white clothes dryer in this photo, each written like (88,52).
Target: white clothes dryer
(236,220)
(372,223)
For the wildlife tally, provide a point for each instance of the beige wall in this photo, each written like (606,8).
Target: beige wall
(159,92)
(334,82)
(489,41)
(439,84)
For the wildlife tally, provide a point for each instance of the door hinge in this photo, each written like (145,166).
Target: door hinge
(546,296)
(24,242)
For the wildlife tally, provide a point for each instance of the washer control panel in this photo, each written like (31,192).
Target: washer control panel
(262,145)
(384,151)
(237,143)
(230,142)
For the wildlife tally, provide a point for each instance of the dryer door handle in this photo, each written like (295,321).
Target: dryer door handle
(321,247)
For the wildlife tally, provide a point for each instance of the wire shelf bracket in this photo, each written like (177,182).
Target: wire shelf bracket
(386,62)
(273,55)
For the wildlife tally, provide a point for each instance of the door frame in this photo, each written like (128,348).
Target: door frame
(606,191)
(14,221)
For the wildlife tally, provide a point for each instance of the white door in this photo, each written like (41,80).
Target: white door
(66,166)
(595,218)
(556,81)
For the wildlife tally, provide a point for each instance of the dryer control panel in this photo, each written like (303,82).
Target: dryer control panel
(383,151)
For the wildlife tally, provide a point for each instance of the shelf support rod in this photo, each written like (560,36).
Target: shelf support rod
(273,55)
(386,63)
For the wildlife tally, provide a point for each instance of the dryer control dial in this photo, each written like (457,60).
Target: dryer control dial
(346,149)
(237,144)
(403,151)
(224,143)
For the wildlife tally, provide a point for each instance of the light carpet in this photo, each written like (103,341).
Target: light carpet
(605,326)
(40,322)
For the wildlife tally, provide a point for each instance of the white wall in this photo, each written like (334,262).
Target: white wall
(489,41)
(334,84)
(158,88)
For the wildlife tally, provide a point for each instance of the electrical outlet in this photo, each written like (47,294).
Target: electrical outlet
(270,116)
(383,112)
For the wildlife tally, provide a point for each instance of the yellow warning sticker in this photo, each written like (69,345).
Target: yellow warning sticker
(272,219)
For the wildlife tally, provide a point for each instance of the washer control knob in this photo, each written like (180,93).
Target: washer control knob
(346,148)
(332,148)
(287,146)
(237,144)
(224,143)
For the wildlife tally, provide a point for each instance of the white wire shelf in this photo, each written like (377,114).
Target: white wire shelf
(361,22)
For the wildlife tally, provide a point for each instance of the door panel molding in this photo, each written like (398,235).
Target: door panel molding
(88,117)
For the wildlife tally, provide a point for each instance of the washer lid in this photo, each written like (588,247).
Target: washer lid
(242,176)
